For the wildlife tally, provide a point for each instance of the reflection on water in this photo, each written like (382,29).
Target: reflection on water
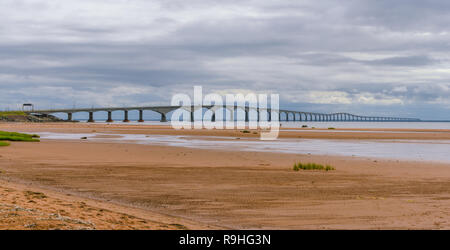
(417,150)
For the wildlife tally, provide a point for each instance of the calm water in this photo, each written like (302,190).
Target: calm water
(400,125)
(418,150)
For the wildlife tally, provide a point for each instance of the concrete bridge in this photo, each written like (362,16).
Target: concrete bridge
(289,115)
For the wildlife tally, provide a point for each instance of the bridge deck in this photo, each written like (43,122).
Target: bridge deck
(163,110)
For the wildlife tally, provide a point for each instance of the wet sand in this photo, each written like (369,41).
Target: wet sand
(307,133)
(226,189)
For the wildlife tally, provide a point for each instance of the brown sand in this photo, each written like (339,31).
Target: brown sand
(39,209)
(222,189)
(363,134)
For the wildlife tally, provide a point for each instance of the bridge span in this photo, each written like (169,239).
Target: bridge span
(289,115)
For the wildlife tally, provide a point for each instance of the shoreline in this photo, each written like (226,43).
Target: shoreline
(318,133)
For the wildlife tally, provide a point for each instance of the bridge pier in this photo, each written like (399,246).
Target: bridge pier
(163,117)
(109,117)
(125,116)
(163,110)
(91,117)
(141,116)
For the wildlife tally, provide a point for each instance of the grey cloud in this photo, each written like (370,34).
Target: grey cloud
(384,49)
(404,61)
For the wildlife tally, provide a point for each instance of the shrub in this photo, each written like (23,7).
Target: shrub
(14,136)
(8,113)
(312,166)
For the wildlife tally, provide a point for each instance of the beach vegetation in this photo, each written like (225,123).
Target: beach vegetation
(14,136)
(312,166)
(9,113)
(331,128)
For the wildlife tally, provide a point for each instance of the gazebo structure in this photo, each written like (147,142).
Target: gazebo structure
(29,107)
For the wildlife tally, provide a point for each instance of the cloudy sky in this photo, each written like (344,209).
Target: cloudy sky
(378,57)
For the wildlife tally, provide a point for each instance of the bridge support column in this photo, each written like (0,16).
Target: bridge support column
(69,116)
(91,117)
(163,117)
(213,117)
(269,115)
(141,116)
(246,116)
(109,117)
(125,116)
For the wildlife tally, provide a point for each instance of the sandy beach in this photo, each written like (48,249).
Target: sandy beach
(76,184)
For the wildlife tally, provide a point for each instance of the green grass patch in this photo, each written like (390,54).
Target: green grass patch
(312,166)
(245,131)
(8,113)
(4,143)
(14,136)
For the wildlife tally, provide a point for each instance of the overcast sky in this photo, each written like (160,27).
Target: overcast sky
(366,57)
